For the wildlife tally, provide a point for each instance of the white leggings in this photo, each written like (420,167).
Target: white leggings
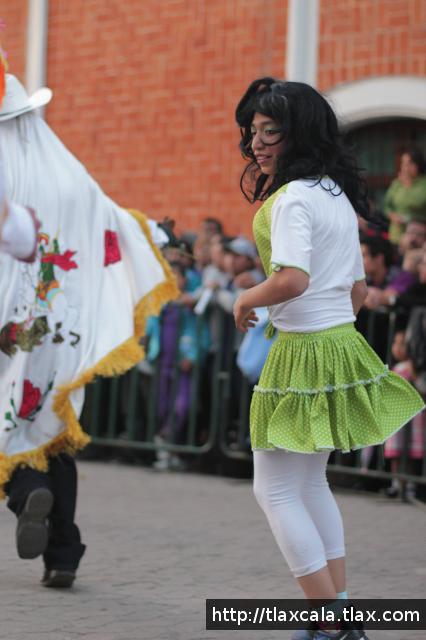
(293,491)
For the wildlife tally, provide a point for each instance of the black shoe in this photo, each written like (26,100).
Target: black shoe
(58,579)
(32,532)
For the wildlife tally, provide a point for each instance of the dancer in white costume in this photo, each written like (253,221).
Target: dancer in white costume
(322,387)
(77,311)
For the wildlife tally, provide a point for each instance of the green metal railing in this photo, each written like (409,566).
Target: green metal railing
(123,412)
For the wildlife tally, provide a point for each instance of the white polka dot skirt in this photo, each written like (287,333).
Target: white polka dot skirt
(328,390)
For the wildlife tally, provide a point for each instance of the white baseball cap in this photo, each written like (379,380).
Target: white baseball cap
(16,101)
(242,247)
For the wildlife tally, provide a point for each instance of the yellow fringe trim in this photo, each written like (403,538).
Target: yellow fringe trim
(118,361)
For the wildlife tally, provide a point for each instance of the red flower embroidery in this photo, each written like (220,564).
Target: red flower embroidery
(30,400)
(112,248)
(63,261)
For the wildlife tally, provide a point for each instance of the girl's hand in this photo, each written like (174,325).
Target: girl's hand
(243,316)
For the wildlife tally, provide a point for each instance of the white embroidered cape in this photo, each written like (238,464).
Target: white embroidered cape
(80,309)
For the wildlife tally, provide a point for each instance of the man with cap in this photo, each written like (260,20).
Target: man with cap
(78,311)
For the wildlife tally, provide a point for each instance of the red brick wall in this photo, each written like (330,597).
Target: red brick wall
(363,38)
(145,94)
(145,91)
(13,37)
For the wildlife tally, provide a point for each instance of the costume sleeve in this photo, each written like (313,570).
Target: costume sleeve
(19,233)
(291,233)
(359,273)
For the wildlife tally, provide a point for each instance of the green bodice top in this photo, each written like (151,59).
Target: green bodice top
(262,230)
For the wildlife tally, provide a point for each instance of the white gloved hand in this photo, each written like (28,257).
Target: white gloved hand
(19,232)
(18,226)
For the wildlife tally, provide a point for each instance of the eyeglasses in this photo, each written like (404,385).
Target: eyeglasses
(269,136)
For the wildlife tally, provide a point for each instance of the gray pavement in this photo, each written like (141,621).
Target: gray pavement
(159,544)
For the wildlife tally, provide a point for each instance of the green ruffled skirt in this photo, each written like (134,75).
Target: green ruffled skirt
(328,390)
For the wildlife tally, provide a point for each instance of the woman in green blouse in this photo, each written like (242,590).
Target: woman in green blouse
(406,197)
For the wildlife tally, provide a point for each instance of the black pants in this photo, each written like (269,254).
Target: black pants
(64,549)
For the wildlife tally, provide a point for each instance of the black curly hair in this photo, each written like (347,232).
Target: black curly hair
(313,147)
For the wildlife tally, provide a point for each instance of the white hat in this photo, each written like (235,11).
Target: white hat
(16,100)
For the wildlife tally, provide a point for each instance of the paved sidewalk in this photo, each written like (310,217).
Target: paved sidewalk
(160,544)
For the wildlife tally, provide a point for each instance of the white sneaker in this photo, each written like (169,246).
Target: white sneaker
(163,460)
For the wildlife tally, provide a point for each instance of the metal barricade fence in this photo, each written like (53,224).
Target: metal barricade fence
(124,411)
